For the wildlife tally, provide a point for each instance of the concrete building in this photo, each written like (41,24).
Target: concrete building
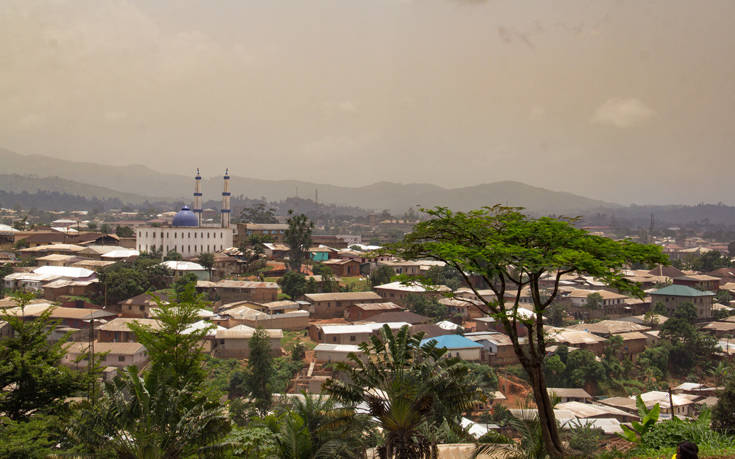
(333,305)
(234,343)
(402,266)
(458,346)
(398,292)
(119,355)
(187,234)
(566,394)
(673,296)
(118,331)
(229,291)
(364,311)
(701,282)
(349,334)
(328,353)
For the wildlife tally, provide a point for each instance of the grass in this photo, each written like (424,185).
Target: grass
(291,337)
(356,284)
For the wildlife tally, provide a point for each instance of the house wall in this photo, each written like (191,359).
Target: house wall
(189,242)
(703,304)
(335,309)
(505,355)
(277,321)
(239,348)
(258,294)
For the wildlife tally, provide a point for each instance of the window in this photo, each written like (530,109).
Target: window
(142,308)
(334,339)
(352,338)
(161,234)
(120,358)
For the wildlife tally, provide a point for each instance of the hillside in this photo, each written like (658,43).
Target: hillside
(31,184)
(138,183)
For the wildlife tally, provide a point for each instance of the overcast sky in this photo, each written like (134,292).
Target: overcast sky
(628,101)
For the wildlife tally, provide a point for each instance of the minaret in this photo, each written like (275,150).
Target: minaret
(198,197)
(226,201)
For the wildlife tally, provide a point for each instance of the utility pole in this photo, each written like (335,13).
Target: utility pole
(90,394)
(671,404)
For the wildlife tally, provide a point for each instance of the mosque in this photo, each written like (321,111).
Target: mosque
(188,235)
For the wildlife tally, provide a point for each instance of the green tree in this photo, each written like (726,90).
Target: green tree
(260,370)
(39,436)
(510,250)
(207,261)
(723,414)
(298,238)
(293,284)
(381,275)
(175,350)
(594,301)
(585,438)
(408,388)
(181,284)
(258,214)
(92,226)
(426,305)
(556,314)
(173,255)
(687,346)
(445,275)
(32,379)
(170,411)
(321,428)
(151,418)
(105,228)
(582,368)
(124,231)
(124,280)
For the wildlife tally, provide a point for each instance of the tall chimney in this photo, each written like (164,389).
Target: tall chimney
(226,201)
(198,197)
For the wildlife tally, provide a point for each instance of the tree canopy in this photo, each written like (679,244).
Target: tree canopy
(509,250)
(298,238)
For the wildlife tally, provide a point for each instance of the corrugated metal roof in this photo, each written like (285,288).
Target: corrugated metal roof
(452,342)
(64,271)
(681,290)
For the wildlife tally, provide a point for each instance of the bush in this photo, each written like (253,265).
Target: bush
(668,434)
(494,438)
(585,438)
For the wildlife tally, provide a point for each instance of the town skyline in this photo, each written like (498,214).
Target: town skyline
(608,100)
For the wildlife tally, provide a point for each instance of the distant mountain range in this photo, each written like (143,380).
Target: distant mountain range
(136,184)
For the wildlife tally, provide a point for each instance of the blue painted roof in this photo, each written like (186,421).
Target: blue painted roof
(185,217)
(452,342)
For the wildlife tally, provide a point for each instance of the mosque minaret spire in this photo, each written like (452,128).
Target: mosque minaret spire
(198,197)
(226,201)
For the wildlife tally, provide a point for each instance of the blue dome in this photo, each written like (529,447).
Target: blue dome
(185,217)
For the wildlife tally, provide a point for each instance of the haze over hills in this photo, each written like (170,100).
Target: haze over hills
(135,184)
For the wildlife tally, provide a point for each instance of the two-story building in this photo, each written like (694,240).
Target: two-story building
(673,296)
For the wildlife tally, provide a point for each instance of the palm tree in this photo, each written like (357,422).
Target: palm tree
(408,388)
(137,418)
(315,427)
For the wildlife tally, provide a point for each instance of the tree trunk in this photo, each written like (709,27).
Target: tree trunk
(549,429)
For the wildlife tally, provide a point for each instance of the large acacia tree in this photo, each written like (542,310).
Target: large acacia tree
(510,252)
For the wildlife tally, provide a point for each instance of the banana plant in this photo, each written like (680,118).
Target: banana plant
(649,417)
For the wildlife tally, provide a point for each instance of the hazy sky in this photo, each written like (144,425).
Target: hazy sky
(629,101)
